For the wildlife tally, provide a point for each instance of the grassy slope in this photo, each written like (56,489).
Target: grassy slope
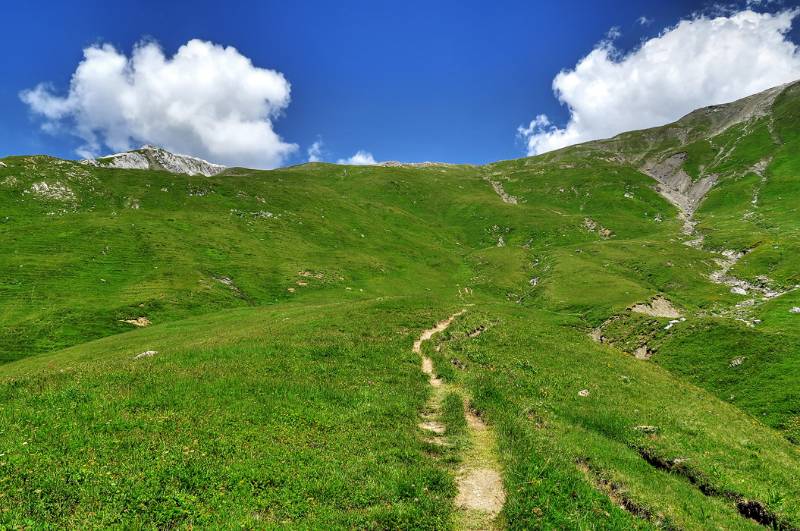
(101,261)
(765,384)
(263,408)
(526,376)
(247,417)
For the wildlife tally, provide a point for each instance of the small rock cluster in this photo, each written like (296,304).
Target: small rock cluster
(735,362)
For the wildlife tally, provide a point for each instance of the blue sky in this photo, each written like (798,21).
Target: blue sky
(411,81)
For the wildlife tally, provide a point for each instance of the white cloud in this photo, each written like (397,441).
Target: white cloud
(644,21)
(206,100)
(613,33)
(698,62)
(315,152)
(361,158)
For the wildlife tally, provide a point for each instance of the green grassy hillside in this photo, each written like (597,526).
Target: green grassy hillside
(273,382)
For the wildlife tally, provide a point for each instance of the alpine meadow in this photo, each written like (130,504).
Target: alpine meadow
(604,336)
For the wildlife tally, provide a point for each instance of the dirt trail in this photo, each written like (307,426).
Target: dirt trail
(481,494)
(480,486)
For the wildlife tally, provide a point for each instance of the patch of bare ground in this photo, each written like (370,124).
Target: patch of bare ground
(677,186)
(657,307)
(481,494)
(642,353)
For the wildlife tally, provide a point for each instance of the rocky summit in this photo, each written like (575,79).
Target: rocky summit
(150,157)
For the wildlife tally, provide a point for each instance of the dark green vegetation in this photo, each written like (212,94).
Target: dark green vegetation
(283,305)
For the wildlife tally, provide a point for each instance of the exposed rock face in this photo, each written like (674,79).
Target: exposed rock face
(130,160)
(155,158)
(676,185)
(660,160)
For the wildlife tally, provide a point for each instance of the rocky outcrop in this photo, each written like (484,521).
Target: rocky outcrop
(155,158)
(722,117)
(499,190)
(54,191)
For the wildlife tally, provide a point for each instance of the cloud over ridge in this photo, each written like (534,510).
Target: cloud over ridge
(699,62)
(314,151)
(207,100)
(361,158)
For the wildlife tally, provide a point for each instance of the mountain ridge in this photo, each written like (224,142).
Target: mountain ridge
(149,157)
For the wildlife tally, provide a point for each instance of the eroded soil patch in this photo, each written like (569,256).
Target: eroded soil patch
(751,509)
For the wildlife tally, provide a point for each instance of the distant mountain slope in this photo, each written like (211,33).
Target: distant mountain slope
(732,174)
(155,158)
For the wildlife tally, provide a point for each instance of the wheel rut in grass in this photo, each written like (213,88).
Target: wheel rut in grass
(481,494)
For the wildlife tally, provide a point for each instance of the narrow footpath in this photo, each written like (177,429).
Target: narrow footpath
(481,494)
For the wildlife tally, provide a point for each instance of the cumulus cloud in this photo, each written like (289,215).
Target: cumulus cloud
(314,152)
(644,21)
(206,100)
(361,158)
(699,62)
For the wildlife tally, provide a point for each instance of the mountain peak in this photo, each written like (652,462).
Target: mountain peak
(150,157)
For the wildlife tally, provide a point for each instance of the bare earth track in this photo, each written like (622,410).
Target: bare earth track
(481,494)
